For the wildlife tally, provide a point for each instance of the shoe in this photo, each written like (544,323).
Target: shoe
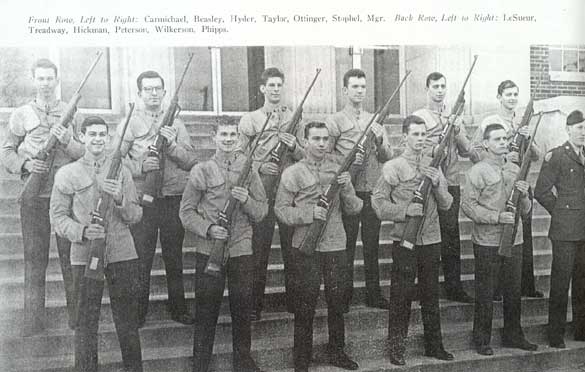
(255,315)
(245,365)
(460,296)
(341,360)
(484,350)
(184,318)
(558,345)
(379,303)
(535,294)
(440,354)
(397,359)
(579,337)
(498,298)
(522,345)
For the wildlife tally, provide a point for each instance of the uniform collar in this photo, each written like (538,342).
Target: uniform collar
(96,164)
(312,161)
(506,115)
(269,107)
(410,154)
(48,108)
(437,108)
(352,111)
(496,160)
(577,150)
(152,114)
(226,158)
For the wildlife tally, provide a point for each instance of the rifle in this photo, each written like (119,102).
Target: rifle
(154,179)
(33,185)
(327,200)
(509,231)
(94,269)
(414,223)
(518,142)
(217,257)
(278,152)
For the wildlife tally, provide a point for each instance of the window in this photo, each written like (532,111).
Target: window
(220,80)
(16,87)
(567,62)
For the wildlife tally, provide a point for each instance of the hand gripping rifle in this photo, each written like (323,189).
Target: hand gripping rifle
(509,232)
(94,269)
(277,154)
(33,185)
(327,200)
(414,223)
(154,179)
(218,257)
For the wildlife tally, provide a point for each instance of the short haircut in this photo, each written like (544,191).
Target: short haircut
(490,128)
(314,124)
(410,120)
(505,85)
(434,76)
(225,121)
(92,120)
(270,73)
(43,63)
(354,72)
(148,75)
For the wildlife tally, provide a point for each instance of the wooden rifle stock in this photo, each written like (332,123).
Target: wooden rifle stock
(154,179)
(35,181)
(513,202)
(414,223)
(328,199)
(94,269)
(277,154)
(217,258)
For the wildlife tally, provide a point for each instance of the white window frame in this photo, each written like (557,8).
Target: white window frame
(566,75)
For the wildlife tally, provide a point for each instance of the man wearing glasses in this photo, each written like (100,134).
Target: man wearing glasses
(162,216)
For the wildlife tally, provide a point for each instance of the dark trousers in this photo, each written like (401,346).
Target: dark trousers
(371,244)
(36,237)
(123,286)
(261,242)
(332,266)
(488,266)
(451,244)
(528,286)
(568,265)
(421,262)
(162,217)
(208,298)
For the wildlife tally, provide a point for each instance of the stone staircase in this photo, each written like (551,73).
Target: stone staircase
(167,346)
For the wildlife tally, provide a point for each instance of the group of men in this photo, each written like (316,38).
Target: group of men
(378,186)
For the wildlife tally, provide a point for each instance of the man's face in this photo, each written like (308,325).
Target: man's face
(355,89)
(272,90)
(497,143)
(152,92)
(226,137)
(437,89)
(416,136)
(45,81)
(317,142)
(95,139)
(577,133)
(509,98)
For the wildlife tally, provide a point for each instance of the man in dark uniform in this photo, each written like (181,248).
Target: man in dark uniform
(563,169)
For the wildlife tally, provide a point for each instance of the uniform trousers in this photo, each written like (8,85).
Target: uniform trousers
(36,237)
(162,217)
(309,269)
(370,228)
(568,265)
(261,244)
(208,297)
(407,264)
(488,267)
(451,244)
(123,287)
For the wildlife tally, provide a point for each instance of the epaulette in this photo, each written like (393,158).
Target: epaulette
(547,156)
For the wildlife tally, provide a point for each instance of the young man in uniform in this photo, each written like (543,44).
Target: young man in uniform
(161,216)
(436,114)
(275,132)
(508,96)
(77,189)
(564,170)
(29,127)
(392,200)
(489,184)
(345,129)
(296,205)
(210,185)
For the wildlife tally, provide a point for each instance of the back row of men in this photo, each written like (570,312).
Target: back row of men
(378,187)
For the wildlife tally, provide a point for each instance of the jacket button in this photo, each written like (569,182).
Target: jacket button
(571,169)
(567,206)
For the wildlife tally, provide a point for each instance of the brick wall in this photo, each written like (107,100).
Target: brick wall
(539,60)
